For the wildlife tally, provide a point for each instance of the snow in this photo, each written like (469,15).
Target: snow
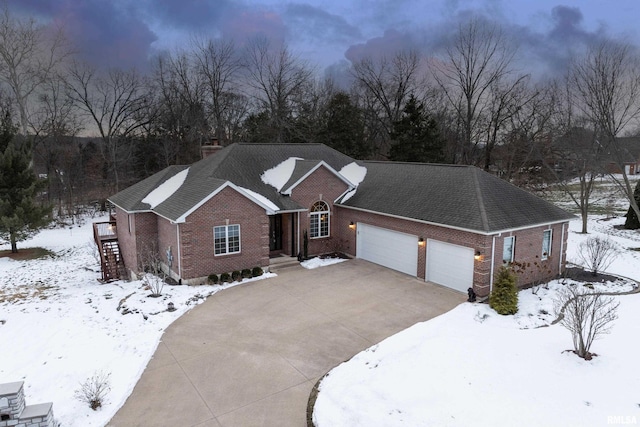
(354,173)
(348,195)
(320,262)
(278,175)
(472,366)
(261,199)
(59,325)
(166,189)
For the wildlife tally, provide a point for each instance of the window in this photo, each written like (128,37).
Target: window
(546,244)
(319,220)
(508,249)
(226,239)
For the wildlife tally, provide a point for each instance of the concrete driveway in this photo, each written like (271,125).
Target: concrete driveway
(250,355)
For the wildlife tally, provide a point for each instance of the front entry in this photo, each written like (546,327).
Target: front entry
(275,233)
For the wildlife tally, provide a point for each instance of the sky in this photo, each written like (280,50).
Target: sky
(329,34)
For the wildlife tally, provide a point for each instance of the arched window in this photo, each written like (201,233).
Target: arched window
(319,220)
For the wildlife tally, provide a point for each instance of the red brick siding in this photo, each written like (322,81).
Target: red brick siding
(168,237)
(320,183)
(196,236)
(144,231)
(528,243)
(528,251)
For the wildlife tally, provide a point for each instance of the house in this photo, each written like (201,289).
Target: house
(626,155)
(245,203)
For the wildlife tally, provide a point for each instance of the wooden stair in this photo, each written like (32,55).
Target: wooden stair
(111,261)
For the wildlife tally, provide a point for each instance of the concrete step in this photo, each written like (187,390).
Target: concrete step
(284,263)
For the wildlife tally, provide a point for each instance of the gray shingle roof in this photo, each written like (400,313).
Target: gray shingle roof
(240,164)
(458,196)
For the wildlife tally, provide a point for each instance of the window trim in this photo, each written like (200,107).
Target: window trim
(226,239)
(513,249)
(318,214)
(547,254)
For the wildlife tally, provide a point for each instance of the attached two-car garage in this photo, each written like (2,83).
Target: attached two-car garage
(447,264)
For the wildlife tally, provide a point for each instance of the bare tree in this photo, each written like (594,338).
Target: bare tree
(478,58)
(597,253)
(586,315)
(219,65)
(387,84)
(275,75)
(606,84)
(151,265)
(28,55)
(116,104)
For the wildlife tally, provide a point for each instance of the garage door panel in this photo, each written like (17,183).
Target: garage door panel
(450,265)
(391,249)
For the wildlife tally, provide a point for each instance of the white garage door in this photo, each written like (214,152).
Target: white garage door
(389,248)
(449,265)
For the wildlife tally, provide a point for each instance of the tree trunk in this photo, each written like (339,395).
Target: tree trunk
(14,245)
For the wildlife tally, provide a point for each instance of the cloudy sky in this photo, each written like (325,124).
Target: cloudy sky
(127,32)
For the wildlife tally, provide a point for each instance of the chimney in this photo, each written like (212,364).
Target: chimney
(210,148)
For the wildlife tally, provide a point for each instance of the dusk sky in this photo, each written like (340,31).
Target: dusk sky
(123,33)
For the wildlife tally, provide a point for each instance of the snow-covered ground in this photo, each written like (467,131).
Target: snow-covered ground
(59,325)
(472,366)
(320,262)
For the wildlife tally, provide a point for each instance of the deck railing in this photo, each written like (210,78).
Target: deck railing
(104,231)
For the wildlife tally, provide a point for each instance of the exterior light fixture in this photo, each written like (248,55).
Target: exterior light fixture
(421,242)
(352,225)
(477,256)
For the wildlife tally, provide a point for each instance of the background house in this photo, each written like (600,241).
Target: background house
(245,203)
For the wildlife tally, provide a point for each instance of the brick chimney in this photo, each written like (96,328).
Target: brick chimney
(210,148)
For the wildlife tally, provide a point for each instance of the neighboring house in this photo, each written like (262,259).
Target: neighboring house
(627,156)
(452,225)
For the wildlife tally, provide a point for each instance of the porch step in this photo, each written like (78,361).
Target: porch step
(283,263)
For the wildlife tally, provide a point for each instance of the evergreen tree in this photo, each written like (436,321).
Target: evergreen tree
(504,297)
(632,222)
(343,127)
(20,216)
(416,137)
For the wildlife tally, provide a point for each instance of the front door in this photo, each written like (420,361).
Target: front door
(275,233)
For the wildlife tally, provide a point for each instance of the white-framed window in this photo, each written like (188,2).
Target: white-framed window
(226,239)
(319,226)
(546,244)
(508,249)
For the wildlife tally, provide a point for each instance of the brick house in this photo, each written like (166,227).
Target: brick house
(245,203)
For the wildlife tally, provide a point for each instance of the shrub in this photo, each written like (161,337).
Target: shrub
(504,297)
(597,253)
(225,278)
(236,275)
(213,279)
(587,315)
(246,273)
(257,271)
(94,390)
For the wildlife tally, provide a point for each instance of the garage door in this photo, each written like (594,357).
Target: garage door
(449,265)
(389,248)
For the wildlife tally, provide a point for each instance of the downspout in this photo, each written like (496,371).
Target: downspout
(493,261)
(561,251)
(179,257)
(298,236)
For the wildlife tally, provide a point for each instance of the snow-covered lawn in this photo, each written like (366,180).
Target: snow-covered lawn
(472,366)
(59,325)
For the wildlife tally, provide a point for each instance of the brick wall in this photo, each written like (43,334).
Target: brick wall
(168,238)
(528,244)
(135,232)
(320,185)
(196,235)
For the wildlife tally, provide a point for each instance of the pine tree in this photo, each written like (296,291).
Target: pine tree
(343,127)
(504,297)
(633,222)
(416,137)
(20,216)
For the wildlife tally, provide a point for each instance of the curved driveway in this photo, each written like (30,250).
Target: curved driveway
(250,355)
